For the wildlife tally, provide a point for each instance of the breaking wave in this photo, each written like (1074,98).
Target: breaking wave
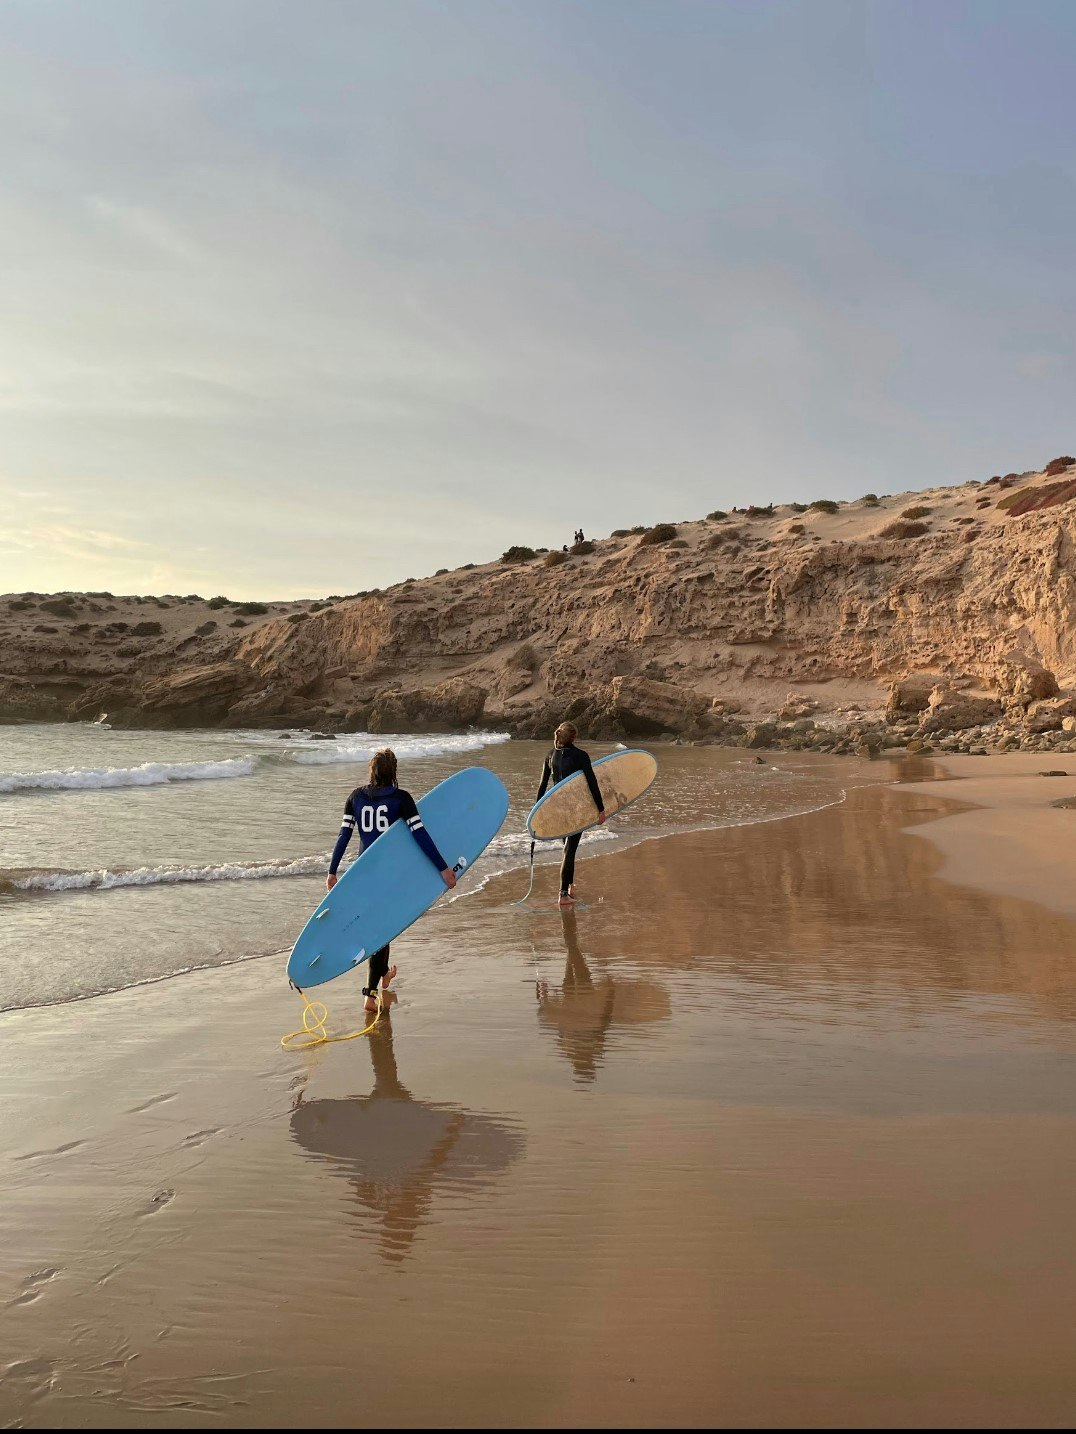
(360,747)
(510,847)
(107,880)
(355,748)
(148,774)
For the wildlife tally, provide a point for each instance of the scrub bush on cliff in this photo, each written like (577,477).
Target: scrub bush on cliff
(659,533)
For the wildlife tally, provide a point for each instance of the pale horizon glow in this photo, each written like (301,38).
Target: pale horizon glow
(299,300)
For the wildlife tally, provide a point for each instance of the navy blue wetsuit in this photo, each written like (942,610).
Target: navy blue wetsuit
(371,811)
(564,762)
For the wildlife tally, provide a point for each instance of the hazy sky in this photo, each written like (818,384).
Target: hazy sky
(304,298)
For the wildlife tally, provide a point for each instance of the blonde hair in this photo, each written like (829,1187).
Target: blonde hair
(565,734)
(383,768)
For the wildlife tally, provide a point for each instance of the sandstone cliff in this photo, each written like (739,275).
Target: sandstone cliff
(953,595)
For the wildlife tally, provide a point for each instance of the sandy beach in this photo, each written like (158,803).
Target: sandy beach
(776,1129)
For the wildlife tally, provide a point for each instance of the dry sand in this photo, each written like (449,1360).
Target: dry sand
(779,1129)
(1013,840)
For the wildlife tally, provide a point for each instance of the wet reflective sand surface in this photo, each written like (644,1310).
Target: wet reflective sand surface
(776,1128)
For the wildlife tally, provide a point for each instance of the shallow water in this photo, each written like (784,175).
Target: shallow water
(126,856)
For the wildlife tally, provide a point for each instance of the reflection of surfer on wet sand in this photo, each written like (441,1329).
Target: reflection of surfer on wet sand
(586,1007)
(397,1150)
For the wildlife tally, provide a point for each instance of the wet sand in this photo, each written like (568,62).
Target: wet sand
(778,1129)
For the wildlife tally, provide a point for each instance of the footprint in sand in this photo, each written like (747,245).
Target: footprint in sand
(198,1136)
(33,1285)
(59,1150)
(153,1100)
(32,1377)
(159,1201)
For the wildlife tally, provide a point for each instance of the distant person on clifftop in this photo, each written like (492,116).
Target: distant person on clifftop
(564,761)
(371,810)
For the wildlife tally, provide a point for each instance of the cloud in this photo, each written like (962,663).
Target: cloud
(350,293)
(87,545)
(144,226)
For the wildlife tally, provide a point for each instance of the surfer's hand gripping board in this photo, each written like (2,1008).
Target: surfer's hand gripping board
(393,882)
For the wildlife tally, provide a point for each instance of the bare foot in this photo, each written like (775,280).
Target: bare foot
(566,899)
(371,1001)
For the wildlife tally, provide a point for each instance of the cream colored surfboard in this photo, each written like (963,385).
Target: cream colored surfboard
(622,778)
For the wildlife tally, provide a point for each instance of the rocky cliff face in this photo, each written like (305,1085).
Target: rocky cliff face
(786,613)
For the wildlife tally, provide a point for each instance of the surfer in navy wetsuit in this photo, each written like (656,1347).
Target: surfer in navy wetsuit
(371,810)
(564,761)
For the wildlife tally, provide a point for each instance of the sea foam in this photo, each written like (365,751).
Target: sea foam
(360,747)
(106,880)
(149,774)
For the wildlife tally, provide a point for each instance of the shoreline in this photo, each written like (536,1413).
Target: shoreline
(769,723)
(849,1079)
(1013,801)
(808,767)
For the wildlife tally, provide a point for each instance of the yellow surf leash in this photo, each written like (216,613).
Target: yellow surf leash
(530,885)
(312,1032)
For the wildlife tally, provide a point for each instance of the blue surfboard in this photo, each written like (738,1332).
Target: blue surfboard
(392,883)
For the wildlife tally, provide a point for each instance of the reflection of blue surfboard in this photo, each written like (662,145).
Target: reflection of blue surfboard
(392,883)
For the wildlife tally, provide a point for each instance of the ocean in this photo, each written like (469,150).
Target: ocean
(135,856)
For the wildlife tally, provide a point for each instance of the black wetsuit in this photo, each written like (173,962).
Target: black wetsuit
(564,762)
(371,811)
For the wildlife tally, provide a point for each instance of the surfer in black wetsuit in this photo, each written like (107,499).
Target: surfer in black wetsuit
(564,761)
(371,810)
